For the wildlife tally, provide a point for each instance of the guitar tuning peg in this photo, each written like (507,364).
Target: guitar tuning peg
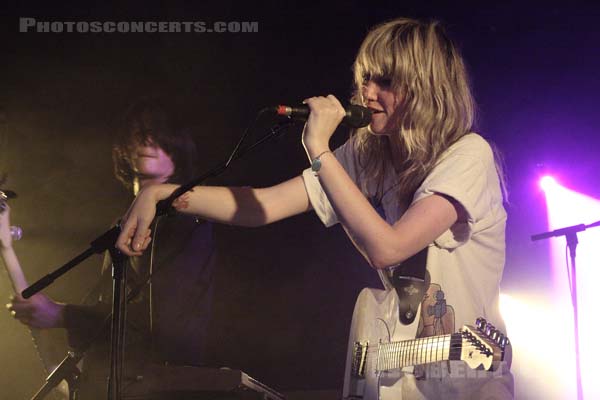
(494,335)
(503,342)
(488,330)
(480,323)
(499,339)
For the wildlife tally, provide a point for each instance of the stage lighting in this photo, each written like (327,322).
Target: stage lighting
(547,182)
(565,208)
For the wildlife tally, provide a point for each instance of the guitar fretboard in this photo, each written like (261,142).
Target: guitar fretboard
(400,354)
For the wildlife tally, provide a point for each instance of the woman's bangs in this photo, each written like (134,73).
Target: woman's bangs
(374,61)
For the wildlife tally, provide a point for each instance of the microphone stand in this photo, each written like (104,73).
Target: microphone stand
(67,369)
(106,242)
(570,234)
(119,314)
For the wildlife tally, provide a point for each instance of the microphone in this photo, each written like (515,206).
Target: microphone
(356,116)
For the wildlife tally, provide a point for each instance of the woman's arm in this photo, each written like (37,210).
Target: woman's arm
(380,243)
(243,206)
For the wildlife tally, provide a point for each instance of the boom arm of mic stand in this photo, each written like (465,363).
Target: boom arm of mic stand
(98,245)
(559,232)
(163,206)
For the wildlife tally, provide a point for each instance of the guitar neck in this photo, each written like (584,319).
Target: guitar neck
(15,273)
(400,354)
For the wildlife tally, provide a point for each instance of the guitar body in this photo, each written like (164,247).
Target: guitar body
(381,348)
(50,344)
(375,319)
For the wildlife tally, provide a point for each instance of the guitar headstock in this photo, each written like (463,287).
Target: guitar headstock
(484,346)
(5,195)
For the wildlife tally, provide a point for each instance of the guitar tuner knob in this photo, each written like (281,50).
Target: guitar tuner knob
(494,335)
(480,323)
(504,342)
(499,337)
(488,329)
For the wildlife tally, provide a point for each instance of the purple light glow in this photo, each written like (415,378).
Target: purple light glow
(547,183)
(566,208)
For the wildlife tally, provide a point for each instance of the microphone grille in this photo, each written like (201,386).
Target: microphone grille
(358,116)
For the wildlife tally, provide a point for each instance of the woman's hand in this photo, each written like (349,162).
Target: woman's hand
(326,113)
(135,225)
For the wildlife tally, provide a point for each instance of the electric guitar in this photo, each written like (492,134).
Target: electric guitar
(373,354)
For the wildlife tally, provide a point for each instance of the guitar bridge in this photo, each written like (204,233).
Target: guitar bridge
(359,358)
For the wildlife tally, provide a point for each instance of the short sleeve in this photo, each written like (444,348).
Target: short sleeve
(467,174)
(316,195)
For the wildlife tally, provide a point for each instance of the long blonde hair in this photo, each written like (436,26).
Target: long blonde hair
(427,73)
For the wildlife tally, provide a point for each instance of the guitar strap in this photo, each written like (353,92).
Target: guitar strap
(411,280)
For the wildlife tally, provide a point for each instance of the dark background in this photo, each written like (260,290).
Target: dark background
(285,291)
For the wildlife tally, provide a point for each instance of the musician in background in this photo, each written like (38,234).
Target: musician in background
(416,181)
(167,322)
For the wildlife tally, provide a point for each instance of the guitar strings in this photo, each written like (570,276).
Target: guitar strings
(423,345)
(409,348)
(395,353)
(417,351)
(396,357)
(395,361)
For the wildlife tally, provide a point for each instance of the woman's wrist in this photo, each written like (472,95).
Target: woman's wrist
(313,145)
(315,148)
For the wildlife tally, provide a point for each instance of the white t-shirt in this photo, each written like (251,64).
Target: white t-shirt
(465,263)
